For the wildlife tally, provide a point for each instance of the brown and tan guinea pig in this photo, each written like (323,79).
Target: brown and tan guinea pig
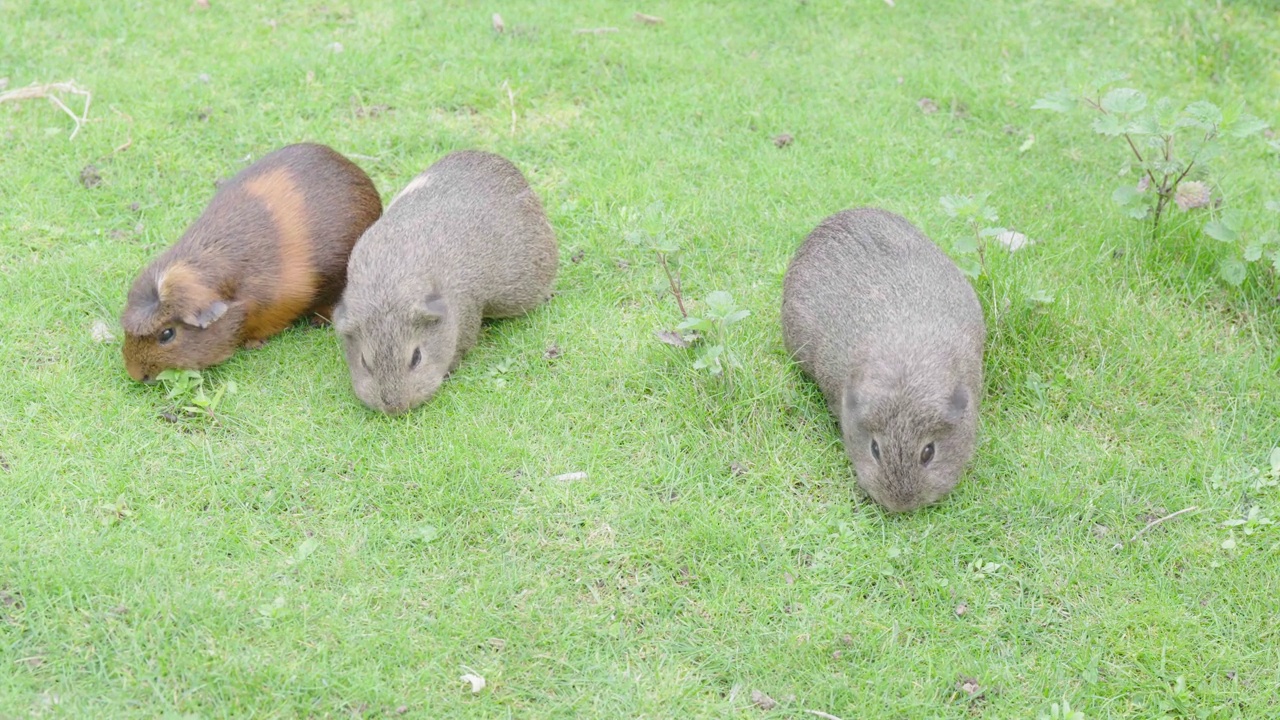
(271,247)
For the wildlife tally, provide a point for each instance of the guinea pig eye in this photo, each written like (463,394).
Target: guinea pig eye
(926,454)
(165,335)
(875,449)
(417,358)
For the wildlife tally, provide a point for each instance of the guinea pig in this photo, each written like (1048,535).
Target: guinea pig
(893,334)
(466,239)
(272,246)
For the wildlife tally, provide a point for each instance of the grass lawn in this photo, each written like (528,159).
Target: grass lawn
(302,556)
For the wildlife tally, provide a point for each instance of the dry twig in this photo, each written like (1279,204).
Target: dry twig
(511,98)
(595,31)
(36,90)
(648,19)
(1154,523)
(824,716)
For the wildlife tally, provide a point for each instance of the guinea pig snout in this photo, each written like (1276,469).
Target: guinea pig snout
(141,374)
(393,407)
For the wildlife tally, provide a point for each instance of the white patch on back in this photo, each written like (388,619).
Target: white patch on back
(419,182)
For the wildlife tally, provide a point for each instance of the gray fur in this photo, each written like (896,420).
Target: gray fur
(893,334)
(467,239)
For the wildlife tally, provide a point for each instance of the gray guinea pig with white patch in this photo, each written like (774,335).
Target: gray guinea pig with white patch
(893,334)
(467,239)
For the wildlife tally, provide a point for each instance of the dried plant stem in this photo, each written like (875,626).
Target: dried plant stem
(674,281)
(511,99)
(982,262)
(1154,523)
(49,91)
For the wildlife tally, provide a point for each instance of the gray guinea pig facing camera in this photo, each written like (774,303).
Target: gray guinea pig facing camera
(467,239)
(893,334)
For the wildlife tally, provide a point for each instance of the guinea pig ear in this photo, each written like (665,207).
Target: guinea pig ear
(431,309)
(338,318)
(206,315)
(957,403)
(850,401)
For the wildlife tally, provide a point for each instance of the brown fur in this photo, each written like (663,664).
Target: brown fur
(271,246)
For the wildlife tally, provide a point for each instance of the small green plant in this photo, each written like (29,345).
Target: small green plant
(502,367)
(973,211)
(1170,149)
(982,570)
(970,249)
(722,313)
(651,233)
(116,512)
(186,389)
(1252,522)
(1061,711)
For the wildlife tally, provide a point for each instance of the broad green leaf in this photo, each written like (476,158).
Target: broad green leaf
(735,316)
(1253,251)
(970,266)
(1041,297)
(961,206)
(720,301)
(1204,151)
(1109,125)
(951,204)
(1060,101)
(698,324)
(1155,142)
(1138,212)
(1218,230)
(1146,124)
(1165,167)
(1109,77)
(1127,196)
(991,232)
(653,221)
(1229,543)
(305,549)
(1203,114)
(1232,270)
(709,359)
(965,244)
(1226,227)
(1125,101)
(1166,113)
(1244,126)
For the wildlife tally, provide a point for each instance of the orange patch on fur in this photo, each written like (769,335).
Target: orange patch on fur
(296,287)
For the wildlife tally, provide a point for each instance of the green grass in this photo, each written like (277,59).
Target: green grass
(663,584)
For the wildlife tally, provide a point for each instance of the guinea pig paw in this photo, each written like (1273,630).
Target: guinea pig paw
(254,344)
